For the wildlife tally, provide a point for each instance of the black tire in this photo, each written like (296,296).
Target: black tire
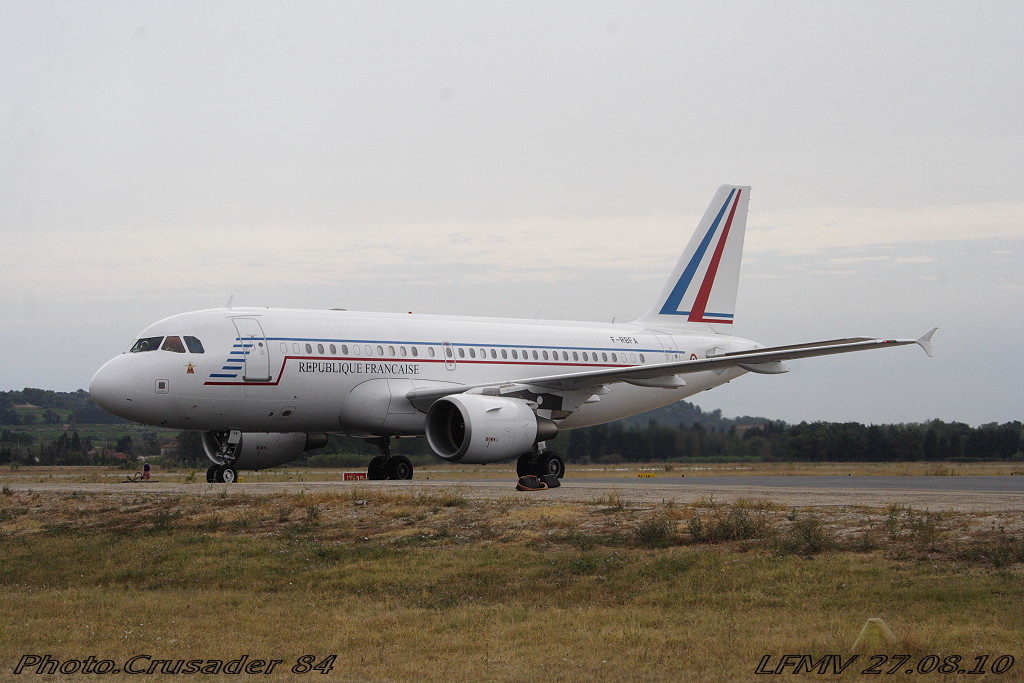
(376,469)
(211,473)
(226,474)
(549,462)
(525,464)
(399,467)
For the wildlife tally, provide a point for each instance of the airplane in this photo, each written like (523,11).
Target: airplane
(266,385)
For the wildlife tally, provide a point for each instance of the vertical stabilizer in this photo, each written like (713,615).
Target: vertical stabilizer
(702,288)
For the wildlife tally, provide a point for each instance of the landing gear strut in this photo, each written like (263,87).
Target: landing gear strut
(387,466)
(539,464)
(222,474)
(227,443)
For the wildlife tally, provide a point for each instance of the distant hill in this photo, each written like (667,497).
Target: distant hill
(34,406)
(686,414)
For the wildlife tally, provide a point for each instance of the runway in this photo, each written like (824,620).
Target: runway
(952,483)
(978,494)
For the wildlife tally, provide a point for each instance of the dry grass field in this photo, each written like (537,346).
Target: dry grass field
(436,585)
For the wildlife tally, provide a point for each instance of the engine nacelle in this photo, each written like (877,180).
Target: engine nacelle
(473,428)
(259,450)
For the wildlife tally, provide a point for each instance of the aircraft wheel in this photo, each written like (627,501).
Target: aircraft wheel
(399,467)
(549,463)
(227,474)
(525,464)
(376,468)
(211,473)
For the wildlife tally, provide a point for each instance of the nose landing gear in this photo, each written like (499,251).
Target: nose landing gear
(226,445)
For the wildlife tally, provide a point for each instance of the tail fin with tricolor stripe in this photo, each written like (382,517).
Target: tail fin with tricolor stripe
(702,288)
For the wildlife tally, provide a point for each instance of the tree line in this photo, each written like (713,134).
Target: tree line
(806,442)
(677,432)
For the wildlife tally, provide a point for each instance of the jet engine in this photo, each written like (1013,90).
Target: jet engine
(474,428)
(259,450)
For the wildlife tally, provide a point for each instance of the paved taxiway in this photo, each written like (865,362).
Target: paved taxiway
(973,494)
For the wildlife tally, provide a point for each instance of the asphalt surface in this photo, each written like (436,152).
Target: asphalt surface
(960,484)
(977,494)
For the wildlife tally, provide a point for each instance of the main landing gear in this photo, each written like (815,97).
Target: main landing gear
(544,462)
(221,474)
(387,466)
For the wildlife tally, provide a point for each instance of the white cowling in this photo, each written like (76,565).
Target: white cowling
(260,450)
(474,428)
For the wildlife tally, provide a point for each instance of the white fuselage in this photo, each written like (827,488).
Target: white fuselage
(272,370)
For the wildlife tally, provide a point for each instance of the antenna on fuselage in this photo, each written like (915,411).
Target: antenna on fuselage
(231,300)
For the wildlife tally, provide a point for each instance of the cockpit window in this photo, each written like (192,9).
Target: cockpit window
(173,344)
(194,345)
(146,344)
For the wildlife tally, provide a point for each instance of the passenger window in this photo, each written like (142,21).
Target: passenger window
(615,358)
(462,352)
(295,347)
(494,354)
(391,351)
(515,354)
(320,349)
(401,350)
(334,350)
(472,353)
(284,347)
(504,353)
(604,357)
(173,344)
(194,345)
(430,351)
(380,350)
(535,355)
(575,356)
(147,344)
(344,349)
(309,349)
(415,352)
(586,357)
(642,358)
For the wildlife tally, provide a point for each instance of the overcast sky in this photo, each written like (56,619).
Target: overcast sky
(525,159)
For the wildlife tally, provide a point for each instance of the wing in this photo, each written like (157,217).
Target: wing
(667,375)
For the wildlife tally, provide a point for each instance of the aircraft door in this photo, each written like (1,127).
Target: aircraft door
(253,343)
(449,355)
(668,344)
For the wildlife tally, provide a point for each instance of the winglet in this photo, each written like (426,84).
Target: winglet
(925,341)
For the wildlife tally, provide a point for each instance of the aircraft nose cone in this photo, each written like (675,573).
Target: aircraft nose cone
(113,388)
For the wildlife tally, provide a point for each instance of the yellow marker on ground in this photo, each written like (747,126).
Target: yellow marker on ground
(876,636)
